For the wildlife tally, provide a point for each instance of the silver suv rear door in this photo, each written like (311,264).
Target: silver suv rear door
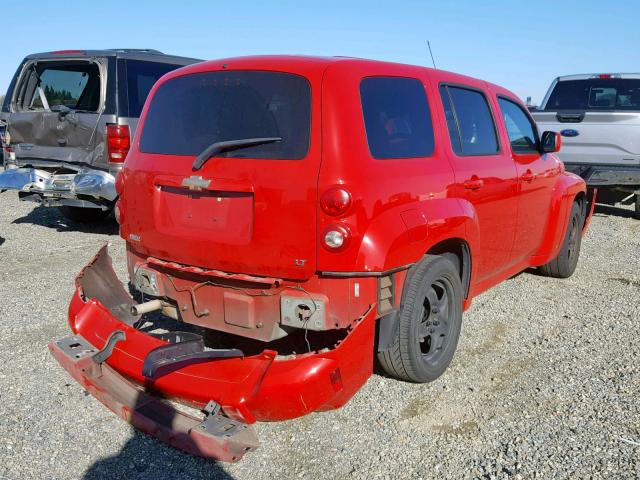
(55,111)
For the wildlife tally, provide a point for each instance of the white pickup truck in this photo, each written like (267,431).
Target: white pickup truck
(598,116)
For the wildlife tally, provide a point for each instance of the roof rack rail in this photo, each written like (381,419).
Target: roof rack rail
(131,50)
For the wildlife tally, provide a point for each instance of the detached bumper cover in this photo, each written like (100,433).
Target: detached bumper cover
(213,437)
(91,183)
(261,387)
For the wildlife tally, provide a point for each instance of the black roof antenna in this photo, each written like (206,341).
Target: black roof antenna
(431,53)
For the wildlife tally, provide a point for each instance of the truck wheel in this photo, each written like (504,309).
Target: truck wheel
(565,263)
(85,215)
(429,322)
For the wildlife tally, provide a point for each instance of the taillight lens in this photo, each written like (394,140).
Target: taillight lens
(335,201)
(335,238)
(118,142)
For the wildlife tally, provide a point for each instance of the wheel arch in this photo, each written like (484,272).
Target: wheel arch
(461,250)
(567,190)
(395,239)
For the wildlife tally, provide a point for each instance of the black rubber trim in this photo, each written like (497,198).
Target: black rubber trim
(387,327)
(366,274)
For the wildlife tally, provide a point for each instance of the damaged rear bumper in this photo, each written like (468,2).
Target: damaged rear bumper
(214,436)
(263,387)
(60,189)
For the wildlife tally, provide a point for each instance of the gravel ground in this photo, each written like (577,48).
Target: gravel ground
(545,383)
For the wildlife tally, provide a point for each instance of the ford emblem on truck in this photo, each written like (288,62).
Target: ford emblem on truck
(569,132)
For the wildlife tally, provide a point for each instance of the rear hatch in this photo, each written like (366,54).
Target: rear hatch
(598,117)
(56,105)
(251,210)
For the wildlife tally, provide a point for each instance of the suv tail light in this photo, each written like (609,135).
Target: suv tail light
(335,201)
(118,142)
(335,238)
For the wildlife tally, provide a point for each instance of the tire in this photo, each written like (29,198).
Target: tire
(421,350)
(566,262)
(85,215)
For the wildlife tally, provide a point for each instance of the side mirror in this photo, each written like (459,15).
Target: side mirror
(550,142)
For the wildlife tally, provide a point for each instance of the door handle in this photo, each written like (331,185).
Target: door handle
(528,176)
(474,183)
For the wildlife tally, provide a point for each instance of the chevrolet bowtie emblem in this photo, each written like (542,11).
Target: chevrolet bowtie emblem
(196,183)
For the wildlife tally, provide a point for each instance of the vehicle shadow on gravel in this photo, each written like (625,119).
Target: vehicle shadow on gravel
(143,457)
(52,218)
(606,210)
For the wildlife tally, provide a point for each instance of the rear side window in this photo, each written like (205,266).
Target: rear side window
(141,76)
(469,121)
(595,94)
(521,130)
(396,117)
(191,112)
(45,85)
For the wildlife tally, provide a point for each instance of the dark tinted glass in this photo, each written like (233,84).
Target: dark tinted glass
(452,126)
(476,129)
(595,94)
(141,76)
(396,117)
(189,113)
(521,131)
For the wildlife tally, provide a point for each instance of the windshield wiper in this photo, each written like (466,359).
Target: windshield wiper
(228,146)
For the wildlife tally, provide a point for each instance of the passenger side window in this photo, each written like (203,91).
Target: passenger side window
(521,130)
(396,117)
(471,127)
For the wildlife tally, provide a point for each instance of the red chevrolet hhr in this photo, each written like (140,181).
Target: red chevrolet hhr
(295,217)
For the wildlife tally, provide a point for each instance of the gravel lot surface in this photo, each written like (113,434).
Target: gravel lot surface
(545,383)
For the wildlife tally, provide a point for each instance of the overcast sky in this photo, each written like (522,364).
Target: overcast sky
(519,45)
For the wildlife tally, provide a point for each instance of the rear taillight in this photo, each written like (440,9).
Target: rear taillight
(335,238)
(335,201)
(118,142)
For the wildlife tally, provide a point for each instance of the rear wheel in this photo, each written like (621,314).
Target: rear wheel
(566,262)
(85,215)
(429,324)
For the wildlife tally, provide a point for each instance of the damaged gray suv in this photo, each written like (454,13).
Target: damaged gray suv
(68,119)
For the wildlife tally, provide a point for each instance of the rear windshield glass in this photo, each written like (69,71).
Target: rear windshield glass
(595,94)
(73,85)
(396,117)
(141,76)
(189,113)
